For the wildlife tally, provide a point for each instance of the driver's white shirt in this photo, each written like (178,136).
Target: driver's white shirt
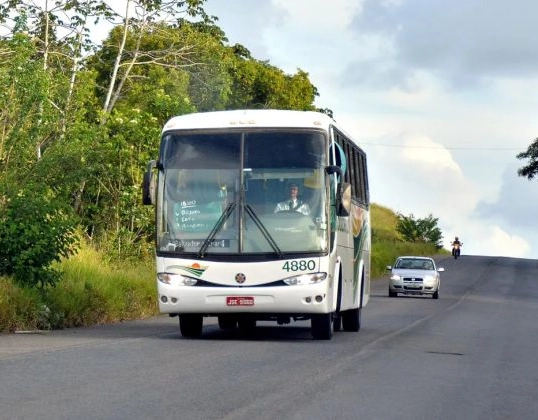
(297,205)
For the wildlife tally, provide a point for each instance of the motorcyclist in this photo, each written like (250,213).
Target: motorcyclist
(456,244)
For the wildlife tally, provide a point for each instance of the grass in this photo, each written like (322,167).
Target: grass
(93,291)
(387,244)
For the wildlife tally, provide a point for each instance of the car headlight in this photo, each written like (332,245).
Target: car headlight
(395,277)
(305,279)
(179,279)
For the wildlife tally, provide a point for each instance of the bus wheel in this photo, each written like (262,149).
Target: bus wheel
(351,320)
(337,322)
(322,326)
(190,325)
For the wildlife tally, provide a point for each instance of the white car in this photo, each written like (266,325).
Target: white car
(412,275)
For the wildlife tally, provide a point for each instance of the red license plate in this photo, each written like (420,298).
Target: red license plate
(239,301)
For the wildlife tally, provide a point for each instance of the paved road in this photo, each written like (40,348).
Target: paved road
(469,355)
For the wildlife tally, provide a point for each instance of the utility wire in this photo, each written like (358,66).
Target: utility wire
(401,146)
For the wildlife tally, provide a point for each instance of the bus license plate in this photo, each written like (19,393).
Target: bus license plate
(239,301)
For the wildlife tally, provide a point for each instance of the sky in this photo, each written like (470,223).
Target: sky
(442,96)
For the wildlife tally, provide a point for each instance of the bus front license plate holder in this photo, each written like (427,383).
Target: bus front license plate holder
(239,301)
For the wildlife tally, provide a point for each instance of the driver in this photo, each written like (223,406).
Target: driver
(456,241)
(293,203)
(454,244)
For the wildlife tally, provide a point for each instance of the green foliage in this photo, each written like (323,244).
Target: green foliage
(163,93)
(531,169)
(35,231)
(92,292)
(387,242)
(119,222)
(257,84)
(420,230)
(20,308)
(23,118)
(384,224)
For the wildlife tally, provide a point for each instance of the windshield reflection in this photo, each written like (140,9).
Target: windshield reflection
(242,193)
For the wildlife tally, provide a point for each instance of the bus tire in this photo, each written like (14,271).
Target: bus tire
(191,325)
(227,322)
(322,326)
(337,322)
(351,320)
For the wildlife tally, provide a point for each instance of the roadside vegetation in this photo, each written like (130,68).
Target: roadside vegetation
(394,234)
(92,291)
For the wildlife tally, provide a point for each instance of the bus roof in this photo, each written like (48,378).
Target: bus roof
(250,118)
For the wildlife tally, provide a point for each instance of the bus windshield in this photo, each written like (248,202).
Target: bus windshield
(243,192)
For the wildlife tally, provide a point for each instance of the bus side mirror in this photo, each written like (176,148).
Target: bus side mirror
(149,184)
(343,199)
(333,169)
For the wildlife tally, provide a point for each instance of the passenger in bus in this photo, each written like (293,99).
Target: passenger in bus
(293,203)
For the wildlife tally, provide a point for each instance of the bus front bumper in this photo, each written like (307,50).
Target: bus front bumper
(296,299)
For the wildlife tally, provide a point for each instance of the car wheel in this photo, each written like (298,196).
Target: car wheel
(392,294)
(436,294)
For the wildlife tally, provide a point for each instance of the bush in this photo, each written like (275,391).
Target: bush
(35,231)
(94,291)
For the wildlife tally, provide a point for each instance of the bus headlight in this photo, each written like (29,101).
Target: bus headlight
(305,279)
(179,279)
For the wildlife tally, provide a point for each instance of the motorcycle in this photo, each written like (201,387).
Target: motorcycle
(456,249)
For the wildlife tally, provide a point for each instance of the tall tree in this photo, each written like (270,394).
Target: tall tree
(138,20)
(36,226)
(420,230)
(258,84)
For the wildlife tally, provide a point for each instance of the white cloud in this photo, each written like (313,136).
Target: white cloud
(495,241)
(504,244)
(423,179)
(319,15)
(432,156)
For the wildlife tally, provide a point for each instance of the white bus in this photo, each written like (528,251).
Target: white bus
(229,246)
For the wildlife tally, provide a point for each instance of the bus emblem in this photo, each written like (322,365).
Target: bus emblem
(240,278)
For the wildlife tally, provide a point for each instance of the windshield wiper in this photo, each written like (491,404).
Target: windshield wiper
(216,229)
(263,230)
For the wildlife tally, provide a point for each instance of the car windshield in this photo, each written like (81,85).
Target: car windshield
(414,264)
